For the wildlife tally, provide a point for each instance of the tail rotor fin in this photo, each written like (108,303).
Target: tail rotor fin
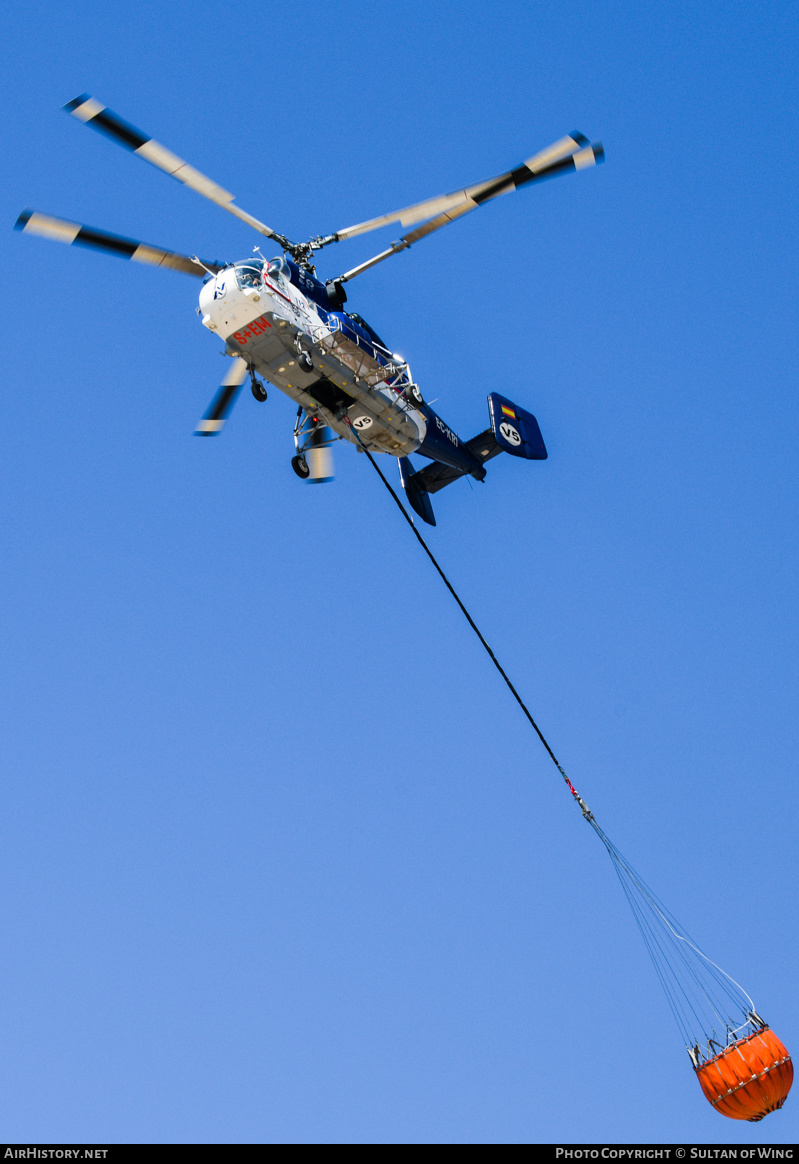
(415,491)
(515,430)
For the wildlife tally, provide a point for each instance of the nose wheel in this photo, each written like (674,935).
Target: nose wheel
(300,467)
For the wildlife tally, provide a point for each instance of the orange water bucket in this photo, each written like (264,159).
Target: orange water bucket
(749,1078)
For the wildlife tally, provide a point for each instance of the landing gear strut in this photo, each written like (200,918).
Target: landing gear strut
(312,440)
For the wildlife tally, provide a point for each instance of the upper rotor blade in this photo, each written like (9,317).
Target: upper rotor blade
(60,230)
(548,163)
(471,196)
(219,409)
(99,117)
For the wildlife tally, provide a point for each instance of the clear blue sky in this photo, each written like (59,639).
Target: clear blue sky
(281,860)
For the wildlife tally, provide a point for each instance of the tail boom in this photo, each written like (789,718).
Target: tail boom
(513,430)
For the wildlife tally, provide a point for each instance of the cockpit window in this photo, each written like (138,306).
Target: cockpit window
(249,273)
(277,268)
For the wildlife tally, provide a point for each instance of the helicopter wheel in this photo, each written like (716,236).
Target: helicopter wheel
(300,467)
(304,362)
(415,397)
(258,390)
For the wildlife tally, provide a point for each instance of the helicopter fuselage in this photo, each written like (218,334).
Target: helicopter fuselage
(279,320)
(274,316)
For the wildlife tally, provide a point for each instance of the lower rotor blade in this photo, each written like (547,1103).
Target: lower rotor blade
(319,456)
(59,230)
(214,419)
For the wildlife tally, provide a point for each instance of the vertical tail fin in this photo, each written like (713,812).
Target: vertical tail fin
(415,491)
(515,430)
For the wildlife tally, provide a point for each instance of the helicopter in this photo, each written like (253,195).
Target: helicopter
(281,323)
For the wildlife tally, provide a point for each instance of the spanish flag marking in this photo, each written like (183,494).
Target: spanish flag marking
(509,412)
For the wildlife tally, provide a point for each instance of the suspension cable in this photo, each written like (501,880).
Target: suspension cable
(589,816)
(667,948)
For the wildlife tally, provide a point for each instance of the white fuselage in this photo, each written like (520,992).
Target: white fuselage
(263,317)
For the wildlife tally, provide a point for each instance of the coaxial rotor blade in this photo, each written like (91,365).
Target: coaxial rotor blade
(546,164)
(60,230)
(214,419)
(101,118)
(472,196)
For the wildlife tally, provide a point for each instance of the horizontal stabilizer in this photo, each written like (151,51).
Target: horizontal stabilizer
(436,475)
(515,430)
(418,486)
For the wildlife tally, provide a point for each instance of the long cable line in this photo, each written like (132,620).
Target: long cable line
(586,811)
(699,993)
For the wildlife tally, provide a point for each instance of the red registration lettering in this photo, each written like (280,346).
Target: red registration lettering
(257,327)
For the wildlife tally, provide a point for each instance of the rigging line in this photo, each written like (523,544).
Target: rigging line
(672,997)
(657,942)
(585,809)
(644,889)
(680,996)
(712,994)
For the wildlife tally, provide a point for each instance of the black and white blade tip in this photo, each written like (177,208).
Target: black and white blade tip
(88,110)
(214,420)
(59,230)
